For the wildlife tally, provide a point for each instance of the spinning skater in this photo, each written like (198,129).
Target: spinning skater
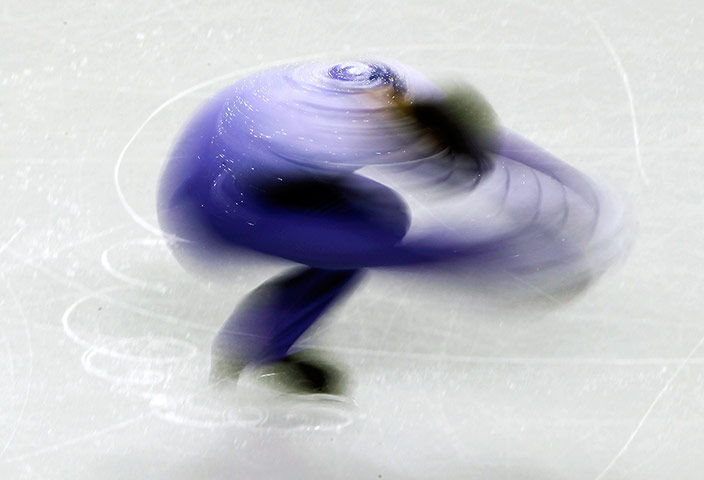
(272,165)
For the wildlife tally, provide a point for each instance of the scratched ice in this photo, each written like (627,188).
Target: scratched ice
(105,340)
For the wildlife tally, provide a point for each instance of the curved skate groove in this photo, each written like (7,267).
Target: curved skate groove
(102,345)
(180,419)
(135,376)
(606,42)
(627,86)
(305,418)
(105,262)
(176,410)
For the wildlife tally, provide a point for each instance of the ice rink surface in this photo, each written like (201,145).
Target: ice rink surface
(105,340)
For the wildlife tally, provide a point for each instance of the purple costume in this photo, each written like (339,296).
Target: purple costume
(281,163)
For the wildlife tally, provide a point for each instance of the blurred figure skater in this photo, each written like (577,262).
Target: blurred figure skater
(270,165)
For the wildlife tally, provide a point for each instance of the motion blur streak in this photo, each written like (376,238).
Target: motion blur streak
(368,164)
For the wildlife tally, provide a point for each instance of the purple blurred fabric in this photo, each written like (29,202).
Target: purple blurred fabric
(313,164)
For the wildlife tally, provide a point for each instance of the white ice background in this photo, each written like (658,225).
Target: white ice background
(104,340)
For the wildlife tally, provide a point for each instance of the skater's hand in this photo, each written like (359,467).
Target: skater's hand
(462,121)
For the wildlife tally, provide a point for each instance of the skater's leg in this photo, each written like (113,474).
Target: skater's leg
(267,323)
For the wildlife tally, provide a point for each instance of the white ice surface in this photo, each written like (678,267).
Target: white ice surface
(104,340)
